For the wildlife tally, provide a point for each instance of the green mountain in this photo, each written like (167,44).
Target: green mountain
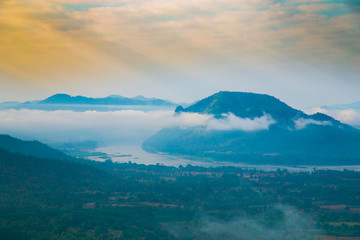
(244,105)
(31,169)
(31,148)
(291,137)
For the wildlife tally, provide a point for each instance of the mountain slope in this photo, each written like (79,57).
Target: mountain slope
(293,137)
(44,181)
(14,164)
(31,148)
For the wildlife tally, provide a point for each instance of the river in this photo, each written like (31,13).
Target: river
(135,154)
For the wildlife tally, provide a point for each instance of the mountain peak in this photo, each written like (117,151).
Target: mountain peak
(58,95)
(59,98)
(244,105)
(115,96)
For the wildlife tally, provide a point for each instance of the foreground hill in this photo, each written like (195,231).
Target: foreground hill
(284,136)
(26,177)
(31,148)
(44,199)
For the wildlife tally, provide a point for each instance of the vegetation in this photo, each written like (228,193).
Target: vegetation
(55,199)
(31,148)
(244,105)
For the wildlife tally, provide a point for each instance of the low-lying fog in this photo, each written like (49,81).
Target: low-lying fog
(123,131)
(113,127)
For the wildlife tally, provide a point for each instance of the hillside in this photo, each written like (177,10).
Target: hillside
(30,178)
(54,199)
(31,148)
(291,137)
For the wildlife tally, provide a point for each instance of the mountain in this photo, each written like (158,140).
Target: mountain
(38,182)
(14,165)
(32,148)
(284,135)
(82,104)
(35,171)
(245,105)
(110,100)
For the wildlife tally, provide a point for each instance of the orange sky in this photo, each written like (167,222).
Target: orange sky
(51,46)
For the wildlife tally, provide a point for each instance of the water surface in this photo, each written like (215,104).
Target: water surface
(135,154)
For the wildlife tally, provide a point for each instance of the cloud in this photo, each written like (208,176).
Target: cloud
(301,123)
(56,41)
(349,116)
(104,127)
(232,122)
(126,126)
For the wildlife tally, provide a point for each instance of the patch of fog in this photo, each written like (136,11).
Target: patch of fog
(291,225)
(126,130)
(232,122)
(125,126)
(348,116)
(301,123)
(114,127)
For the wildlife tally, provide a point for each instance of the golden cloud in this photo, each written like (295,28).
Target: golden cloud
(56,39)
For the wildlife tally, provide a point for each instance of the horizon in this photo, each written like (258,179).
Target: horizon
(301,107)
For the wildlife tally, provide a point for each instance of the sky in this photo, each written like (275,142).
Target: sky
(305,52)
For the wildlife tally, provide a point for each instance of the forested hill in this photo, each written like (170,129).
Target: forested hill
(31,148)
(33,177)
(285,136)
(15,165)
(250,105)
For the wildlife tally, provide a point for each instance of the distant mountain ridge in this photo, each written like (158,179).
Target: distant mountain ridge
(110,100)
(354,105)
(293,138)
(62,101)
